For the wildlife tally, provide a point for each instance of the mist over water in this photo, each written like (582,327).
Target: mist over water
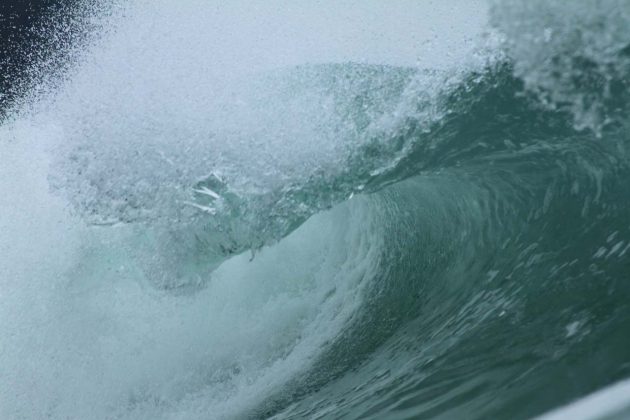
(318,210)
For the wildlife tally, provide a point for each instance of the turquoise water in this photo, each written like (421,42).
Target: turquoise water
(322,239)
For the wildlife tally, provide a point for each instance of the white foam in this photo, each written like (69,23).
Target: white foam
(84,336)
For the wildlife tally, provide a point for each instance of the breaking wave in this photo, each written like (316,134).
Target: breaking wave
(324,240)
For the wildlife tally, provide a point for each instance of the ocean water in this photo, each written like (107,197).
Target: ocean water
(335,210)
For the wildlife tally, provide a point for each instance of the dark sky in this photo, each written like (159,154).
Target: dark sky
(18,18)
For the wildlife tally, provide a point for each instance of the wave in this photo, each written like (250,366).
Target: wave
(326,240)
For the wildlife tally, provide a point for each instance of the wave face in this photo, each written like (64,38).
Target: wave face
(195,229)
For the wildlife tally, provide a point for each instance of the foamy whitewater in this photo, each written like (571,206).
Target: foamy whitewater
(383,210)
